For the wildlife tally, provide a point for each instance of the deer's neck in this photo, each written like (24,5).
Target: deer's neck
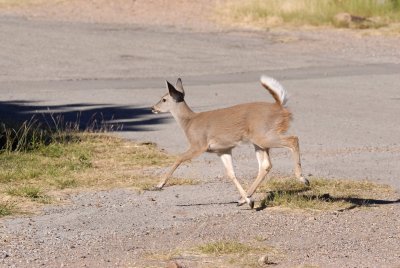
(183,114)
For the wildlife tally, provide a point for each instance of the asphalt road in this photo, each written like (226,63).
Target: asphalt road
(344,89)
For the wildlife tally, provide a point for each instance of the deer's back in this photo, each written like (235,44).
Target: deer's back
(231,125)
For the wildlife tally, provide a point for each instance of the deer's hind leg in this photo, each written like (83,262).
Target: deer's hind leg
(290,142)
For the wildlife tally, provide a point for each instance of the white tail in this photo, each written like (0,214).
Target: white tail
(219,131)
(275,88)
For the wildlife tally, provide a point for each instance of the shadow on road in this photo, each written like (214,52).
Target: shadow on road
(82,116)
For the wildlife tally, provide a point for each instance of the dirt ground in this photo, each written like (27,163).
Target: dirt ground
(90,53)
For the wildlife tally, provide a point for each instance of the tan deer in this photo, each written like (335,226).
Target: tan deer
(219,131)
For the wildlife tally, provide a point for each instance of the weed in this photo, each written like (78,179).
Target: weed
(224,247)
(26,191)
(65,183)
(6,209)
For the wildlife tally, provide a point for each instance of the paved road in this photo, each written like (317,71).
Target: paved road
(344,89)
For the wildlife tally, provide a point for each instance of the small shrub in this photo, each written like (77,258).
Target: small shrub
(26,191)
(224,247)
(66,183)
(6,209)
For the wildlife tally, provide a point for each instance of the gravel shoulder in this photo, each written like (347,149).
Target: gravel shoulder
(344,94)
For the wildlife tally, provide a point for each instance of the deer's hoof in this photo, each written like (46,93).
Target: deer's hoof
(155,188)
(241,202)
(250,201)
(159,187)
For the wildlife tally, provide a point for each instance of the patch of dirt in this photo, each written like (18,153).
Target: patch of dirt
(122,228)
(178,13)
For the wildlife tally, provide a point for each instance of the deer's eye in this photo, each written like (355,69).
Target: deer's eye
(164,100)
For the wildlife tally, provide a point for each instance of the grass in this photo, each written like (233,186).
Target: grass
(18,3)
(36,163)
(30,192)
(271,13)
(6,209)
(323,194)
(221,253)
(225,247)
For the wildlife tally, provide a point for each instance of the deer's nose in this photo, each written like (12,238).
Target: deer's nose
(154,110)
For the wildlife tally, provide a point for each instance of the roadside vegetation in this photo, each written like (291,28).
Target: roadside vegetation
(222,253)
(324,194)
(38,164)
(359,14)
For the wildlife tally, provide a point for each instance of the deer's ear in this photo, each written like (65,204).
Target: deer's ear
(175,94)
(179,86)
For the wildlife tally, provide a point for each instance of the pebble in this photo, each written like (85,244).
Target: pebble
(4,255)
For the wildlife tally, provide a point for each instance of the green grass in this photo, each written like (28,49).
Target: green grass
(63,183)
(26,191)
(324,194)
(43,163)
(269,13)
(33,193)
(6,209)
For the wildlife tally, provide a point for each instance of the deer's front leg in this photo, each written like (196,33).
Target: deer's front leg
(227,161)
(186,156)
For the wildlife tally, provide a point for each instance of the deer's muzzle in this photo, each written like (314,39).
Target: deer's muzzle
(154,110)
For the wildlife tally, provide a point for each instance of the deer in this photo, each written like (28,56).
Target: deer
(218,131)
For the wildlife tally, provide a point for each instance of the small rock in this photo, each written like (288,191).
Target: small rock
(263,260)
(4,255)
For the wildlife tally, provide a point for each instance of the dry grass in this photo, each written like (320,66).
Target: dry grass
(225,247)
(90,161)
(324,194)
(6,209)
(221,253)
(272,13)
(25,3)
